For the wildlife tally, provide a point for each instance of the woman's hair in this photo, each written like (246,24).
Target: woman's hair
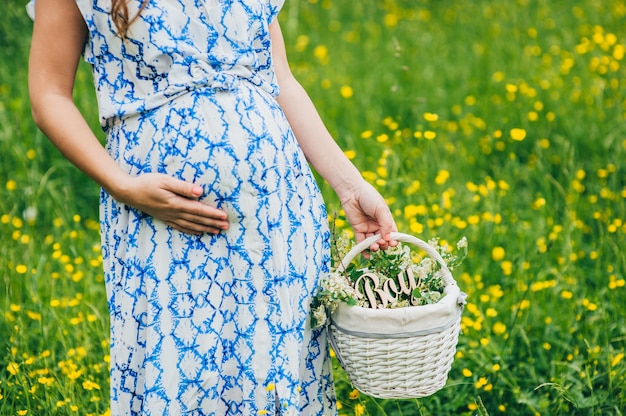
(119,14)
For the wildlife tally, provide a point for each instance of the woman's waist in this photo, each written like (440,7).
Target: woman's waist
(133,100)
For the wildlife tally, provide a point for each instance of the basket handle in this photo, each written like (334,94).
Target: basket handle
(404,238)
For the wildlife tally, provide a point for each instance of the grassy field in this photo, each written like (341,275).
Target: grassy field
(502,121)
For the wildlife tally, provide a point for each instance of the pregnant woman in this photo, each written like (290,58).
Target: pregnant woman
(214,232)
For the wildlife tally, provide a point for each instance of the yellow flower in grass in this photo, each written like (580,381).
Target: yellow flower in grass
(431,117)
(518,134)
(35,316)
(499,328)
(46,381)
(354,394)
(359,409)
(412,210)
(73,375)
(497,253)
(590,306)
(539,203)
(473,219)
(301,43)
(416,227)
(13,368)
(391,20)
(442,177)
(614,283)
(481,382)
(346,91)
(382,138)
(321,52)
(430,135)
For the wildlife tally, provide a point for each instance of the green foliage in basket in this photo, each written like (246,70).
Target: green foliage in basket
(393,278)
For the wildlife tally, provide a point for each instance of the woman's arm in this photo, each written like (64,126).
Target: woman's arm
(59,36)
(365,208)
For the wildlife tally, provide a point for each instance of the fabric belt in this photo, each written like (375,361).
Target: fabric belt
(193,74)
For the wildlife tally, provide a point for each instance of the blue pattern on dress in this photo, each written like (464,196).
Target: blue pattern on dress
(208,325)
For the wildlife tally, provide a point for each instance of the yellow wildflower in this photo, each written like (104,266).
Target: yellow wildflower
(346,91)
(518,134)
(497,253)
(499,328)
(13,368)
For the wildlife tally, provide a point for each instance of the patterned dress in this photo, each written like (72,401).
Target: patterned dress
(208,325)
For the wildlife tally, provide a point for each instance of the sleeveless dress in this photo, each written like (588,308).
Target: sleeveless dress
(208,325)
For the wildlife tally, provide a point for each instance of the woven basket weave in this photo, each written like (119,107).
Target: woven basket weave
(399,353)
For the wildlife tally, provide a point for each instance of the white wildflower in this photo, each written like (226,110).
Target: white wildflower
(320,316)
(428,265)
(30,214)
(342,245)
(400,304)
(431,296)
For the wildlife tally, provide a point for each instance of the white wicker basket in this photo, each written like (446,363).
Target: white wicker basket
(399,353)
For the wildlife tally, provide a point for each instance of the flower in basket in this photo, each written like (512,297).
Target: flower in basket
(393,278)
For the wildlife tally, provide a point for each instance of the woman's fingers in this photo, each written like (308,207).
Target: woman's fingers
(204,218)
(182,188)
(191,227)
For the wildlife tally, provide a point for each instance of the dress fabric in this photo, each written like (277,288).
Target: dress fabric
(208,325)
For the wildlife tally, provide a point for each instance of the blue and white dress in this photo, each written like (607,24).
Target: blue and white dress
(208,325)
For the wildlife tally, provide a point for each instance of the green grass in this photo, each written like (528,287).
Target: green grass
(543,333)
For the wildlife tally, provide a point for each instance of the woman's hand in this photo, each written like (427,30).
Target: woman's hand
(368,214)
(173,201)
